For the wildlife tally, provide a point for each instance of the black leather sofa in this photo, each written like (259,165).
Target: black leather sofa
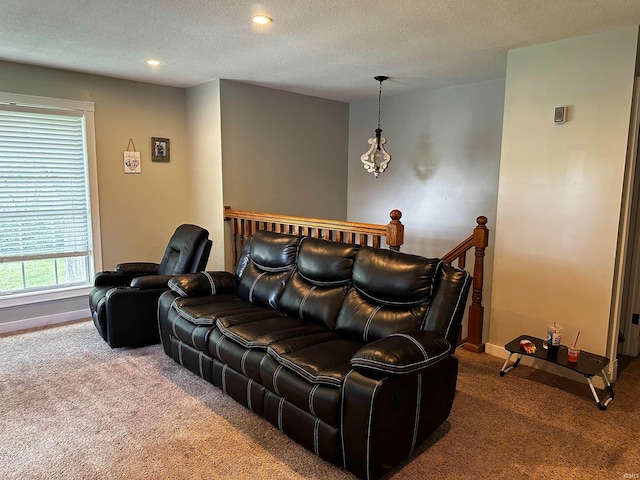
(346,349)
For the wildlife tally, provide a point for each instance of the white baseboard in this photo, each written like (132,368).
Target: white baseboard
(598,382)
(44,321)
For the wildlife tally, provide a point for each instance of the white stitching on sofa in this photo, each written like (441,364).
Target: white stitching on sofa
(275,380)
(173,328)
(174,286)
(249,394)
(200,364)
(274,269)
(365,333)
(466,279)
(224,378)
(344,387)
(389,302)
(218,343)
(280,405)
(311,394)
(417,420)
(415,342)
(436,275)
(253,285)
(386,368)
(304,300)
(242,362)
(328,283)
(316,440)
(193,336)
(192,319)
(237,338)
(373,394)
(213,284)
(315,379)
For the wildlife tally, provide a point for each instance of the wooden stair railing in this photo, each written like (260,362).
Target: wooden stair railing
(477,241)
(244,224)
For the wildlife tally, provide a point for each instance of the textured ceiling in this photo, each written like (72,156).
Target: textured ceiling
(326,48)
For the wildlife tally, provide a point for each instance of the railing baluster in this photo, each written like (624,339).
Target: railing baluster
(462,260)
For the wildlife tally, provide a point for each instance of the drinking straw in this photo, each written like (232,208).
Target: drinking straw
(576,342)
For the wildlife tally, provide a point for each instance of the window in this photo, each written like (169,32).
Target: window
(47,196)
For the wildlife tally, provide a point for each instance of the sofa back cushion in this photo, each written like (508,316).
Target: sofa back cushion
(391,292)
(266,264)
(317,289)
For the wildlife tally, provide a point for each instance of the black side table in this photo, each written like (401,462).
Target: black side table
(588,364)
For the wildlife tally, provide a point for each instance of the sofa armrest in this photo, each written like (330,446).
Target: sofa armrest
(403,352)
(112,279)
(138,268)
(148,282)
(203,283)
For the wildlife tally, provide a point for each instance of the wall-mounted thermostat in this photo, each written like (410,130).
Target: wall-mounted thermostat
(560,115)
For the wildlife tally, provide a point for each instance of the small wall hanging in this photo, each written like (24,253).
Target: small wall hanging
(131,159)
(160,149)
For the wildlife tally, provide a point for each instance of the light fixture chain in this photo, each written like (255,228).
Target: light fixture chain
(379,96)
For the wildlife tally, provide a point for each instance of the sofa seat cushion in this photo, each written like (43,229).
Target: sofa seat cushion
(260,331)
(195,317)
(322,358)
(321,401)
(206,310)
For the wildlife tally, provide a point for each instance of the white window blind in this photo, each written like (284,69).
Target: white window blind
(44,205)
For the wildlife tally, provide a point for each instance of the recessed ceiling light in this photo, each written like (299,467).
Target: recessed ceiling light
(261,19)
(153,63)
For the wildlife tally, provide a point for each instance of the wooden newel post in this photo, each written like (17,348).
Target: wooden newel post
(476,310)
(395,231)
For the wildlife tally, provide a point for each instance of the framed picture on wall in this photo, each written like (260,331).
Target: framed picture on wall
(160,149)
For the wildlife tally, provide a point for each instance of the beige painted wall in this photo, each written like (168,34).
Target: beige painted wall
(203,120)
(561,187)
(283,152)
(138,212)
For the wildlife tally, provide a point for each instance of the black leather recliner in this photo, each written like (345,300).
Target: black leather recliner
(124,302)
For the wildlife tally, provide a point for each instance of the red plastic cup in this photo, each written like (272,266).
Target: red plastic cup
(572,354)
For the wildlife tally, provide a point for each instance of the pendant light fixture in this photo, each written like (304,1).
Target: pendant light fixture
(377,159)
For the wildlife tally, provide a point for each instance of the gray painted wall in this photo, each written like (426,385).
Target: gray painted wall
(283,152)
(445,159)
(445,149)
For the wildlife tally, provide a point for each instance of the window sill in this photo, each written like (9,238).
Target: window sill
(20,299)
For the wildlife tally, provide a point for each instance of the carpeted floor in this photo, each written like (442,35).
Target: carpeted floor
(72,408)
